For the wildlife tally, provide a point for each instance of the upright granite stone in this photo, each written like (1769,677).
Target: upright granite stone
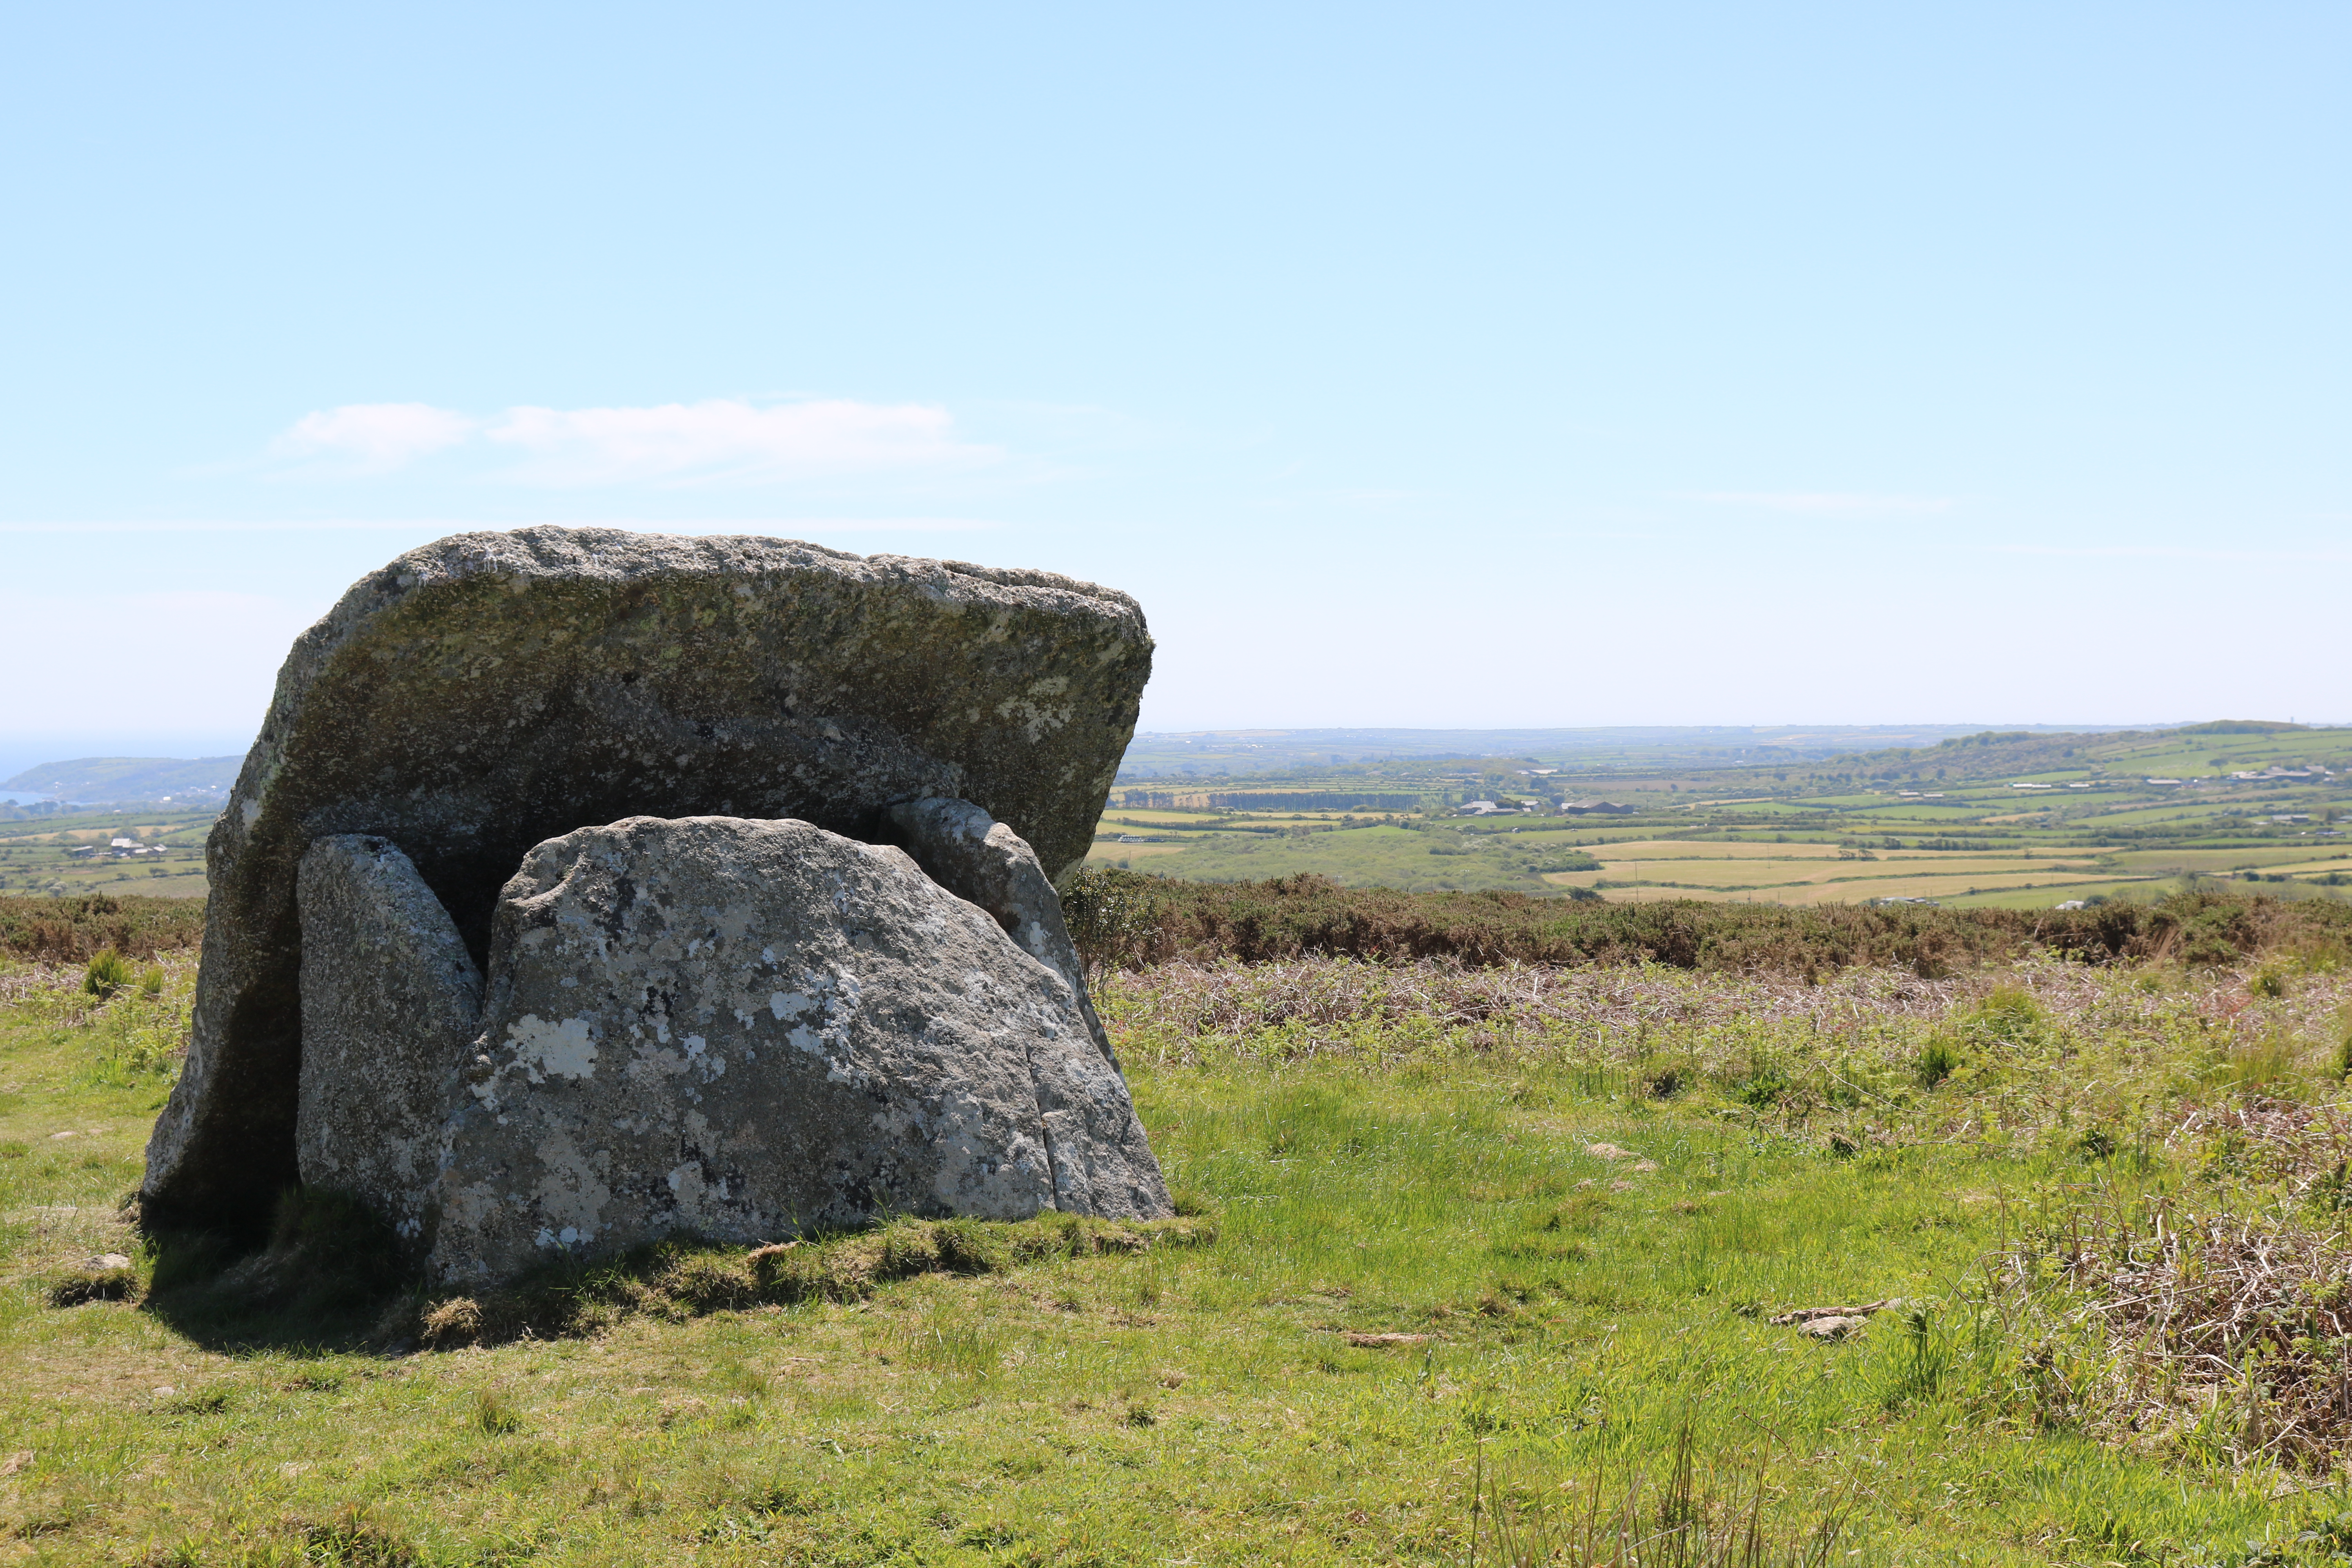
(391,1004)
(493,690)
(979,859)
(747,1029)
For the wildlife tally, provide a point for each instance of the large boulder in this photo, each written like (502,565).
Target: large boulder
(391,1004)
(749,1029)
(492,691)
(981,861)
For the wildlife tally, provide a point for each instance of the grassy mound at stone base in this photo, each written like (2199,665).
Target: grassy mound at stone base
(677,1281)
(331,1272)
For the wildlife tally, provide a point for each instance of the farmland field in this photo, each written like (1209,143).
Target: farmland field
(1951,822)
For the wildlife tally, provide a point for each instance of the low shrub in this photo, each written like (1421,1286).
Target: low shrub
(1124,920)
(73,931)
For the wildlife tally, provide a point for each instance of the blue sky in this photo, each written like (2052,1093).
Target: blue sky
(1440,365)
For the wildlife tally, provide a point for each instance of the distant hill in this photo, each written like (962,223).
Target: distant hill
(101,780)
(1210,752)
(2183,748)
(2239,727)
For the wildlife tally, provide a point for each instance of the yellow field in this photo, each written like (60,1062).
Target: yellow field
(1865,875)
(1816,873)
(1684,849)
(1809,893)
(1103,854)
(1675,849)
(2039,855)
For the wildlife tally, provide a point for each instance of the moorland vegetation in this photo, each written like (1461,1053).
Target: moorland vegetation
(1484,1255)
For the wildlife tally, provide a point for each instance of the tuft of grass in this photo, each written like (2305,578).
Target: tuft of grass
(495,1414)
(2007,1016)
(1924,1366)
(1682,1515)
(107,973)
(352,1539)
(962,1343)
(2262,1065)
(2217,1331)
(739,1379)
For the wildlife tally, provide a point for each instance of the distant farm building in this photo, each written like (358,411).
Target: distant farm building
(1265,800)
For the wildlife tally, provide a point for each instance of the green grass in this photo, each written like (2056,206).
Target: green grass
(2050,894)
(1383,1152)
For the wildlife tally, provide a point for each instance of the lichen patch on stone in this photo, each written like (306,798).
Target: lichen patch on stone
(565,1049)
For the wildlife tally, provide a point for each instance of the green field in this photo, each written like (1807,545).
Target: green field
(1580,1195)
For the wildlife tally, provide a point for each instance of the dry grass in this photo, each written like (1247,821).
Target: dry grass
(2210,1318)
(1183,1011)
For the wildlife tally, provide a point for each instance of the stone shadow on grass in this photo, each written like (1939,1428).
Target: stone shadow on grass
(319,1279)
(332,1278)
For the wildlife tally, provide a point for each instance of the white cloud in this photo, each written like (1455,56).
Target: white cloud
(377,437)
(718,439)
(1831,503)
(2174,553)
(724,438)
